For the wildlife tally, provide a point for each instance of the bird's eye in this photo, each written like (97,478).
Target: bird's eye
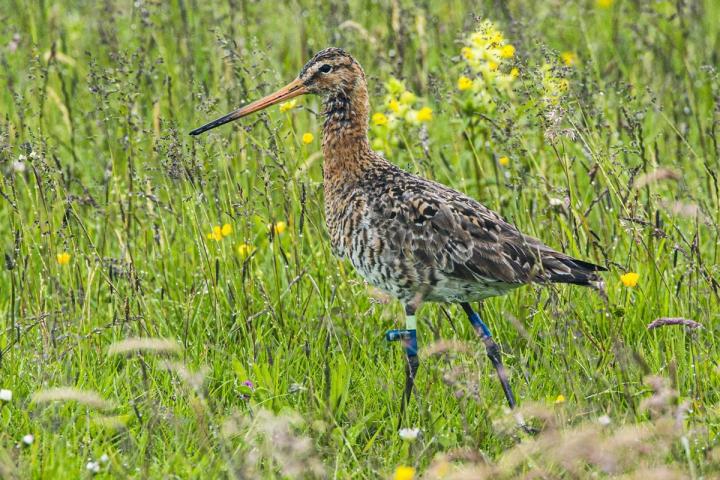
(326,68)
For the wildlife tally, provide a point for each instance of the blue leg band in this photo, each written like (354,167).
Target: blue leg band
(479,324)
(408,338)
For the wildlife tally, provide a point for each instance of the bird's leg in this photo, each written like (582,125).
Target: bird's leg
(408,336)
(493,351)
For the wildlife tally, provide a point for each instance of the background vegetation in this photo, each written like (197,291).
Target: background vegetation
(273,361)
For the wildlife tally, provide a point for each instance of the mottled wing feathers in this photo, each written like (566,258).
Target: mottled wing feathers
(462,239)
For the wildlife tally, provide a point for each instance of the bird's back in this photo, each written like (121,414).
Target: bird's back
(416,238)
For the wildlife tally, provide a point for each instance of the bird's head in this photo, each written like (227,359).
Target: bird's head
(330,72)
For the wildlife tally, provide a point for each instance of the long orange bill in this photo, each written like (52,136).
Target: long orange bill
(292,89)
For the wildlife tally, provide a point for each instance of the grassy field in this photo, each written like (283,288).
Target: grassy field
(170,306)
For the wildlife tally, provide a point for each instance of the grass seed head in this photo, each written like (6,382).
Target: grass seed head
(665,321)
(88,398)
(655,176)
(144,344)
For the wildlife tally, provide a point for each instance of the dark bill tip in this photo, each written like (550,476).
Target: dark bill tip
(215,123)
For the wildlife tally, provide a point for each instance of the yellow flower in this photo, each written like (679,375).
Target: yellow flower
(560,398)
(504,161)
(245,250)
(487,35)
(287,106)
(630,279)
(408,98)
(493,65)
(278,227)
(226,230)
(568,58)
(467,53)
(215,234)
(604,3)
(63,258)
(425,114)
(508,51)
(309,137)
(395,86)
(495,37)
(404,473)
(394,105)
(514,73)
(464,83)
(379,119)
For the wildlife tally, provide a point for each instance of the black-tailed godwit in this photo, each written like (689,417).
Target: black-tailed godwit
(414,238)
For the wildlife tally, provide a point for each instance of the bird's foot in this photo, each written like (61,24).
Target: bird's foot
(408,337)
(493,352)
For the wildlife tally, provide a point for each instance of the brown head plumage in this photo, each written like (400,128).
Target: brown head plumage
(331,72)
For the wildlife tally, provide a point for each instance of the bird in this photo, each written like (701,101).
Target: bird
(414,238)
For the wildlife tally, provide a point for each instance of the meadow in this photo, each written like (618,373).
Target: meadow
(170,306)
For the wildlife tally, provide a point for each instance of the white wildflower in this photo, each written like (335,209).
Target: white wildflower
(409,434)
(13,45)
(5,395)
(93,467)
(604,420)
(18,166)
(28,439)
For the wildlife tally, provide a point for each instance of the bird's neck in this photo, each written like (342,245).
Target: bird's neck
(345,145)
